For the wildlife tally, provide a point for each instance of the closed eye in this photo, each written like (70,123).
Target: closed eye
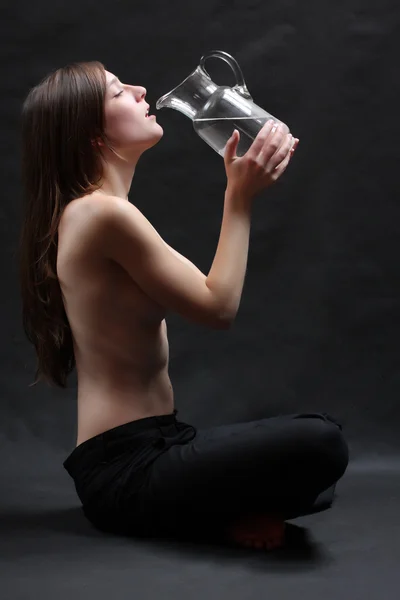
(116,96)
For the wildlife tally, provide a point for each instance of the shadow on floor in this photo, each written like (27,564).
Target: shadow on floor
(24,527)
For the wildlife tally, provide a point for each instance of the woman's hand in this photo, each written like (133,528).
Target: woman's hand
(264,162)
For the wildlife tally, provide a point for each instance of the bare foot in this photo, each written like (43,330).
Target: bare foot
(258,531)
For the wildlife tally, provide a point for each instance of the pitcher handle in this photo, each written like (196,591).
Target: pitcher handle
(240,83)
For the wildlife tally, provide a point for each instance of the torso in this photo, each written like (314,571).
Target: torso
(120,334)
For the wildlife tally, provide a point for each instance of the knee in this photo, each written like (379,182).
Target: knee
(331,450)
(322,448)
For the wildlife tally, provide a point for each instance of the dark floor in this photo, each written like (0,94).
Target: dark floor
(350,552)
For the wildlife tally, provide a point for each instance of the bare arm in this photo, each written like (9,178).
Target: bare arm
(170,279)
(228,270)
(183,259)
(129,239)
(227,273)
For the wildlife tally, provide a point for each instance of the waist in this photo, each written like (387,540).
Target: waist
(135,435)
(105,405)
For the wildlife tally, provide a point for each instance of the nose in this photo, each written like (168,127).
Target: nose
(140,92)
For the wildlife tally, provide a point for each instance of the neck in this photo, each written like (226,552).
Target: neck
(117,177)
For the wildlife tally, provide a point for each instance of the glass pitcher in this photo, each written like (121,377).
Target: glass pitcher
(216,110)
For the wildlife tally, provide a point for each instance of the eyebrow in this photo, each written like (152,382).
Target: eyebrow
(113,80)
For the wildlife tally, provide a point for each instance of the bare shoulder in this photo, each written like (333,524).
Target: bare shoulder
(112,211)
(97,207)
(98,217)
(118,222)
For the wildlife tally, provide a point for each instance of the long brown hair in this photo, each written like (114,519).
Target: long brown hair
(62,121)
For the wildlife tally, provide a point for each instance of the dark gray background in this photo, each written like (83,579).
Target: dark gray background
(318,326)
(319,323)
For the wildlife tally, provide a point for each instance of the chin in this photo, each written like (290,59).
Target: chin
(136,149)
(160,132)
(156,138)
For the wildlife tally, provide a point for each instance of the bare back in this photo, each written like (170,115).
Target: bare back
(120,335)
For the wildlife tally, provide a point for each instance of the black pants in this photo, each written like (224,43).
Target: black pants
(158,476)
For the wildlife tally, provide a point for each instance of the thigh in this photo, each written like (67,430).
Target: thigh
(227,466)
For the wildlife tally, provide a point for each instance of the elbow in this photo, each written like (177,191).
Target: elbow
(224,325)
(223,322)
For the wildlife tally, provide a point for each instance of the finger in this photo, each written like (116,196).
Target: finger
(272,144)
(293,148)
(231,146)
(281,168)
(261,137)
(296,143)
(281,153)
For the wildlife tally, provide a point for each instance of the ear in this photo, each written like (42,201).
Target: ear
(97,142)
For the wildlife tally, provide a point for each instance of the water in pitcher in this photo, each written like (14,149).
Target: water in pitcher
(216,132)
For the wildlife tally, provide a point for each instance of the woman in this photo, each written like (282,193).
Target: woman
(97,283)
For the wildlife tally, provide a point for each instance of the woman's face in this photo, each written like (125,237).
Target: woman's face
(127,124)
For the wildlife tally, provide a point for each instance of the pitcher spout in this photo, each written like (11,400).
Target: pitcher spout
(191,95)
(171,100)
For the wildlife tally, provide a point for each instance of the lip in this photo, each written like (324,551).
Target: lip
(147,115)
